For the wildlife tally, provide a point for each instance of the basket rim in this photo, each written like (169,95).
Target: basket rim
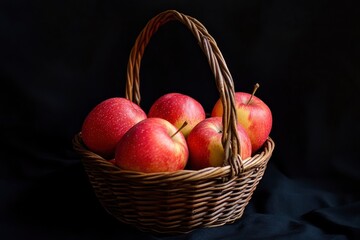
(249,164)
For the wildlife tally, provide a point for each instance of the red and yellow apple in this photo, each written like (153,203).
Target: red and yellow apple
(152,145)
(253,114)
(178,108)
(107,122)
(205,146)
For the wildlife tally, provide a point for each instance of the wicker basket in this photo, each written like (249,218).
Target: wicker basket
(179,202)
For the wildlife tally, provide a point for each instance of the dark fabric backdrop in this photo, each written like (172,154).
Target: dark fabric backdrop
(60,58)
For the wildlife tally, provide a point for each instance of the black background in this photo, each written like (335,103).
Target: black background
(60,58)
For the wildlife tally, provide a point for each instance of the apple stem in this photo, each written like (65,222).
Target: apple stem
(253,93)
(182,126)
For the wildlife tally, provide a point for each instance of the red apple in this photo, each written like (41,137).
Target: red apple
(253,114)
(152,145)
(205,147)
(178,108)
(107,122)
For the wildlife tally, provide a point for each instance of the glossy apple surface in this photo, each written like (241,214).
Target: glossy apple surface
(178,108)
(205,147)
(107,122)
(150,146)
(254,116)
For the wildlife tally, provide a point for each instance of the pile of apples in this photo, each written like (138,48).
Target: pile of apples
(175,134)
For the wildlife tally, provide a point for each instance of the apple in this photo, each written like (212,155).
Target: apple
(107,122)
(205,146)
(178,108)
(152,145)
(253,114)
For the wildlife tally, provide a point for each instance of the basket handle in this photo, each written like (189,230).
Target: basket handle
(224,81)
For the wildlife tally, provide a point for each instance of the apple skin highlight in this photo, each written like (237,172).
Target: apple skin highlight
(205,147)
(150,146)
(178,108)
(107,122)
(255,117)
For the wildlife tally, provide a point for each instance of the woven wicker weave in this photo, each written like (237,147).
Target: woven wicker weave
(179,202)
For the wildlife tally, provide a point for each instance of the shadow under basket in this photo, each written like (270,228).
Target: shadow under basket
(185,200)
